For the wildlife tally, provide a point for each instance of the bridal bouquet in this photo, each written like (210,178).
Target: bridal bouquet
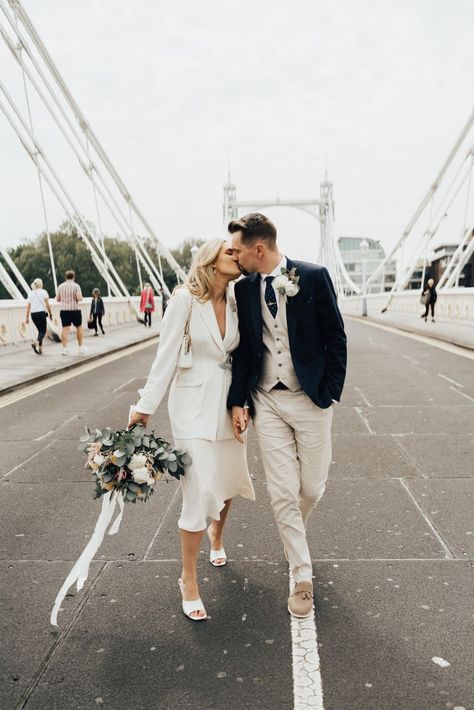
(130,461)
(125,465)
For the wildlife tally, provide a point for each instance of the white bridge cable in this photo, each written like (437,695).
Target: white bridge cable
(427,237)
(88,169)
(35,152)
(40,182)
(14,269)
(9,284)
(432,191)
(86,129)
(460,257)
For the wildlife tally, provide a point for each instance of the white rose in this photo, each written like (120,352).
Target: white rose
(99,459)
(137,461)
(141,475)
(280,282)
(292,289)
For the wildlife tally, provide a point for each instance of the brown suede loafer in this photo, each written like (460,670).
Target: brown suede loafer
(300,601)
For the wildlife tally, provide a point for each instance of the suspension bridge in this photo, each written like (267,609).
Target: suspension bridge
(392,540)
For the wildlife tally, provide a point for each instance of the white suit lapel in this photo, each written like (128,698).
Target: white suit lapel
(207,314)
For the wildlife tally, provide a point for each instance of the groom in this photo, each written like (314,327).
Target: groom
(289,369)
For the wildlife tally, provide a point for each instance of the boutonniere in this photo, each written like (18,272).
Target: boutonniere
(287,282)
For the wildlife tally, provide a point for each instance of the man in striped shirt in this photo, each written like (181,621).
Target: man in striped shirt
(69,294)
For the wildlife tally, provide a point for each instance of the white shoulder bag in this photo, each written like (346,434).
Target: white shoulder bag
(185,357)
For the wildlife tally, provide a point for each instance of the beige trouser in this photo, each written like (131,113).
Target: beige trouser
(294,436)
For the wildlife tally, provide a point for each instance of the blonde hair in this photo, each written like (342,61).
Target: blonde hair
(201,274)
(37,283)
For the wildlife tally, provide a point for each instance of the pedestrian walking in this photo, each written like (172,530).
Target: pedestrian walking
(429,299)
(147,303)
(202,314)
(97,311)
(289,368)
(69,296)
(38,306)
(164,301)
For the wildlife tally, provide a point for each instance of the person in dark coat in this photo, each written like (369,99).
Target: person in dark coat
(430,297)
(97,311)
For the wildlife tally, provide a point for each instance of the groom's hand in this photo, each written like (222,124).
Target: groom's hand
(240,418)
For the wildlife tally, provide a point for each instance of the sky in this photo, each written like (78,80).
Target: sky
(178,91)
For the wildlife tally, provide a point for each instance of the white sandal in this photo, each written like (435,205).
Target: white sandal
(217,555)
(192,606)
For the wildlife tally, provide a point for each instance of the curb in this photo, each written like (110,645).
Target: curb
(74,365)
(406,329)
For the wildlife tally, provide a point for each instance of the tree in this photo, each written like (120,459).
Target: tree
(70,252)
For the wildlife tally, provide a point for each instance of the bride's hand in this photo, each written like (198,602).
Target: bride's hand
(138,418)
(239,422)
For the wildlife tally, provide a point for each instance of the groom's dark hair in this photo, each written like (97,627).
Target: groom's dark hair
(254,226)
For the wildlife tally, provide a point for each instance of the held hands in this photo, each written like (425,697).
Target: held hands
(138,418)
(240,420)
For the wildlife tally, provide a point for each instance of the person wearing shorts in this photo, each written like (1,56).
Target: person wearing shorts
(69,295)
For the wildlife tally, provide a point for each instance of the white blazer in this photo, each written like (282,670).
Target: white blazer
(197,401)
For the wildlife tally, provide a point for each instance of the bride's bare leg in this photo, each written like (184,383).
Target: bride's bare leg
(216,529)
(190,543)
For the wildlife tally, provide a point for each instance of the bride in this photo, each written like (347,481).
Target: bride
(200,420)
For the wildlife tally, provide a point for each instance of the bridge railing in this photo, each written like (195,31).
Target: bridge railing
(119,312)
(453,304)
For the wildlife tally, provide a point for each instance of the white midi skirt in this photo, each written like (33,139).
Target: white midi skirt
(218,472)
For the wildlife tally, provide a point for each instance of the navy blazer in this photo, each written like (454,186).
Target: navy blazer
(316,336)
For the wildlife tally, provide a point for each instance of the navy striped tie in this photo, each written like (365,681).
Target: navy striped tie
(270,296)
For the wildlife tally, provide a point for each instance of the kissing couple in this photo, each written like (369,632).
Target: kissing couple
(270,347)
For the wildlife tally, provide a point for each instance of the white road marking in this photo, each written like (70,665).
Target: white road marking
(463,394)
(415,364)
(364,419)
(441,344)
(162,522)
(448,554)
(124,384)
(307,686)
(448,379)
(358,389)
(53,431)
(32,389)
(37,453)
(440,661)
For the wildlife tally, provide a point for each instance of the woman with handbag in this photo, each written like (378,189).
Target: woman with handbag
(428,299)
(147,303)
(97,312)
(38,306)
(199,332)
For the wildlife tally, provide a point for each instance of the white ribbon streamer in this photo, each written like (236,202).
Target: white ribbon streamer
(80,571)
(115,527)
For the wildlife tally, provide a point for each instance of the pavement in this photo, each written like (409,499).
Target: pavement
(392,544)
(19,365)
(457,332)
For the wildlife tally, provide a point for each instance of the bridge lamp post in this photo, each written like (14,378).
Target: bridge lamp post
(364,250)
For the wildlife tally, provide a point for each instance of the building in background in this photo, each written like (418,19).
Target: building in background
(354,256)
(437,260)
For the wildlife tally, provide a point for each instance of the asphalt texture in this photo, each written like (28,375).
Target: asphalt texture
(392,543)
